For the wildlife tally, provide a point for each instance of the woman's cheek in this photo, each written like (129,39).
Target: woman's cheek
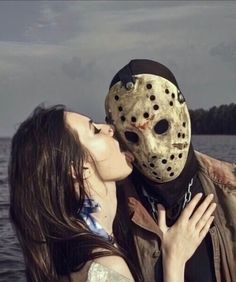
(101,151)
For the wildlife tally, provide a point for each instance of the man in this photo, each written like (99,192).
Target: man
(151,118)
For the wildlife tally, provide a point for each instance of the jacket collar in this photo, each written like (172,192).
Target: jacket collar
(220,172)
(138,213)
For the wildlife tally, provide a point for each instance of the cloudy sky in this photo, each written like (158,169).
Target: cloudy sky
(67,52)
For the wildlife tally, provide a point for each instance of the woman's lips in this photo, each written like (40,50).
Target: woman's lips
(129,156)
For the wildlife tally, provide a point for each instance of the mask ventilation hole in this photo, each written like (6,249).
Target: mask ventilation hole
(155,107)
(149,86)
(131,136)
(161,126)
(116,97)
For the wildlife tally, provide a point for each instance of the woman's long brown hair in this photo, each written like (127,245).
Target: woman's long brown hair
(44,207)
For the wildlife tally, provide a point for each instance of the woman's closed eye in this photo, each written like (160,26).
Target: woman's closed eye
(96,130)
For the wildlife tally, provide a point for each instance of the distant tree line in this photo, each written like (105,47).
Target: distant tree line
(216,120)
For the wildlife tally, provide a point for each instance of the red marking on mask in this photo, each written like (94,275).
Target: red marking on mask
(145,125)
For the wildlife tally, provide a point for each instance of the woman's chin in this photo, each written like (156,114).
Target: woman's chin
(126,173)
(130,166)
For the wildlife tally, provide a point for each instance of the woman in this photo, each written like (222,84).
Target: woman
(62,175)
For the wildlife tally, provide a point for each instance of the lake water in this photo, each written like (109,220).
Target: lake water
(11,261)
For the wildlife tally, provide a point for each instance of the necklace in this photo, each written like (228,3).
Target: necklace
(188,194)
(152,201)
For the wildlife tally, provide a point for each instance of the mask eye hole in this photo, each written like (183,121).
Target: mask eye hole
(131,136)
(161,126)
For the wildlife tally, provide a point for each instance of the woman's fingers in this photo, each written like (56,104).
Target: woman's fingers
(204,219)
(201,209)
(206,228)
(187,212)
(161,217)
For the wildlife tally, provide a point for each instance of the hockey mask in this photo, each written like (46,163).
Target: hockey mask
(151,118)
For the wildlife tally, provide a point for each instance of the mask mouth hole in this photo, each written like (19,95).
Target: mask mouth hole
(132,137)
(161,126)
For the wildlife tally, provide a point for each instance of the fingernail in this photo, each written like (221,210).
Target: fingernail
(200,195)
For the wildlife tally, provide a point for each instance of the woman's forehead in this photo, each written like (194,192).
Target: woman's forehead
(76,116)
(77,121)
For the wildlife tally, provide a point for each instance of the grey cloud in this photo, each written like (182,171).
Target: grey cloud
(134,6)
(225,51)
(75,68)
(86,43)
(148,26)
(52,25)
(15,17)
(42,21)
(57,23)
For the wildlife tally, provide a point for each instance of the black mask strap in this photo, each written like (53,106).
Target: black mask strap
(126,77)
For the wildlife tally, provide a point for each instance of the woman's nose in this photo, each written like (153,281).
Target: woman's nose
(107,129)
(110,129)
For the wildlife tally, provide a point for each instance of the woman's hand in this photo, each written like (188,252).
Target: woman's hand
(180,241)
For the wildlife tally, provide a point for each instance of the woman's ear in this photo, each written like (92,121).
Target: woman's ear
(88,168)
(72,171)
(87,171)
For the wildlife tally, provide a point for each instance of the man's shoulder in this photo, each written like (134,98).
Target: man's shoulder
(219,171)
